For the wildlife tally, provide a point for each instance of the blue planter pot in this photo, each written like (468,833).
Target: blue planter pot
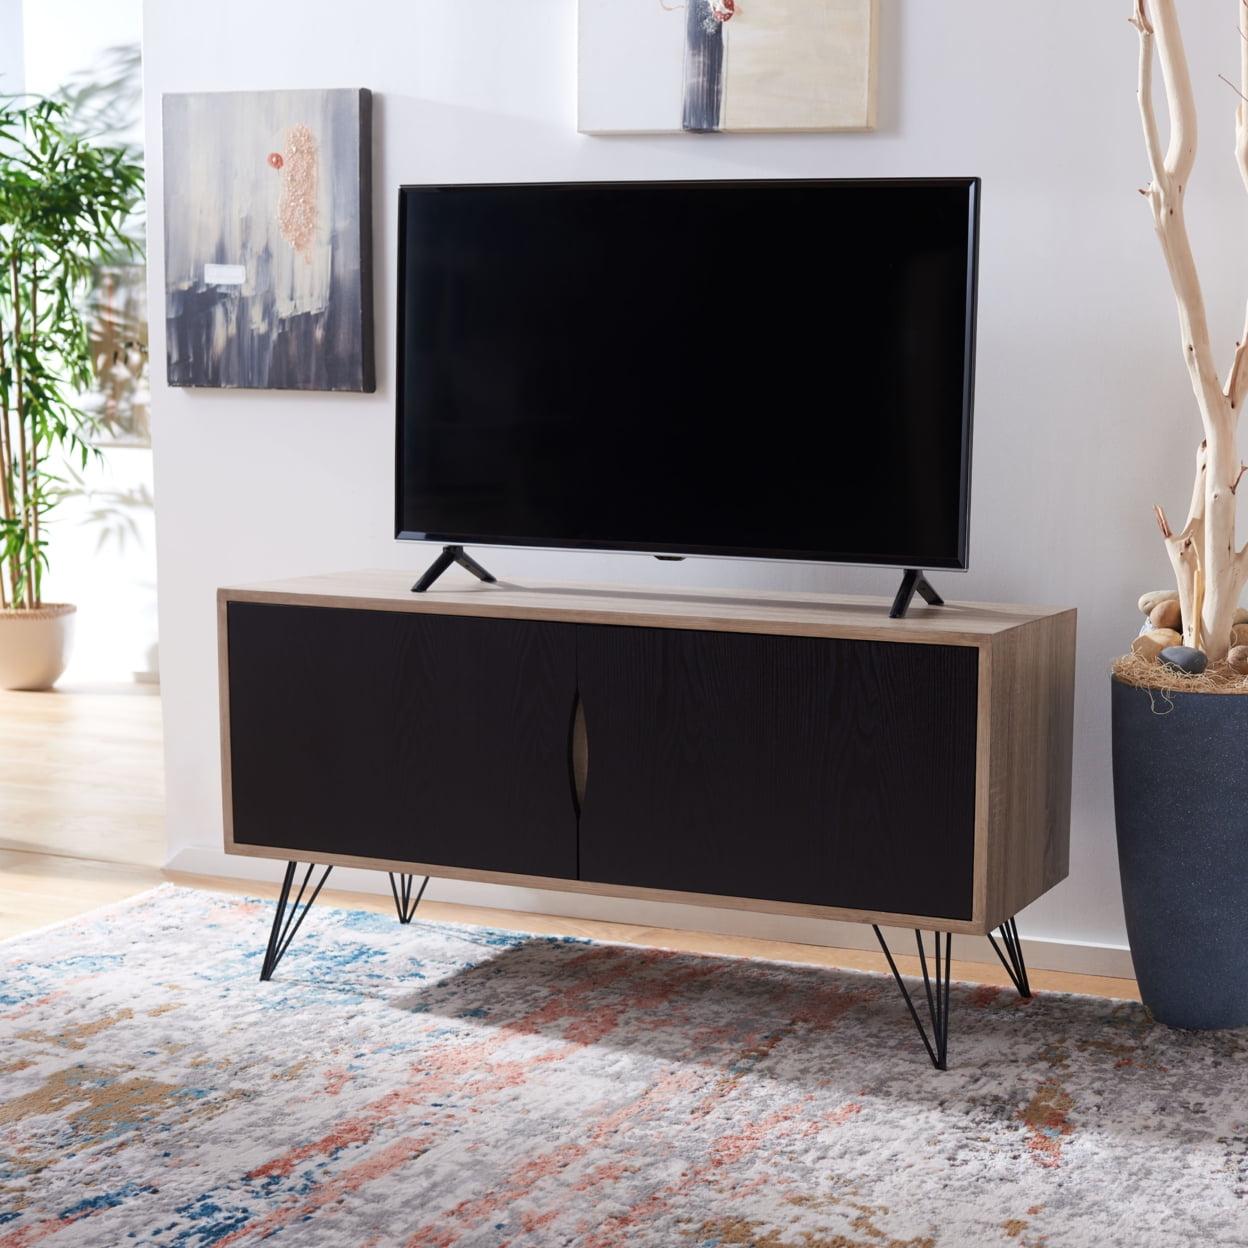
(1181,808)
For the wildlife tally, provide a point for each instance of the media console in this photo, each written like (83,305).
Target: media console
(790,753)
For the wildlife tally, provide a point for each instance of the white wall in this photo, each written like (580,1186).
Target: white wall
(11,75)
(64,36)
(1083,417)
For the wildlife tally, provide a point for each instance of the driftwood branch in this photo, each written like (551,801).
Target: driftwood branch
(1209,573)
(1169,184)
(1237,379)
(1144,95)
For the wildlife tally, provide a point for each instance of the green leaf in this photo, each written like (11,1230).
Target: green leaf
(69,202)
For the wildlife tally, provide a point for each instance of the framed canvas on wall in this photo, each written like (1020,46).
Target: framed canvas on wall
(653,66)
(268,250)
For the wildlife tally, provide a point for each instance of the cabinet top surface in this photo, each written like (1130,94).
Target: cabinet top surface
(733,610)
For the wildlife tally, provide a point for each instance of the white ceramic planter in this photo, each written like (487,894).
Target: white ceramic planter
(34,645)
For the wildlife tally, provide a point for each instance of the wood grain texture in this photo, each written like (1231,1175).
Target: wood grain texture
(1030,744)
(983,794)
(592,888)
(755,611)
(1024,658)
(76,774)
(402,737)
(836,773)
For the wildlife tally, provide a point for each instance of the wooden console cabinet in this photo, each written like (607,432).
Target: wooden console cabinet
(794,753)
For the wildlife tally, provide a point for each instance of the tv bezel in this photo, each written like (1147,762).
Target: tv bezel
(958,563)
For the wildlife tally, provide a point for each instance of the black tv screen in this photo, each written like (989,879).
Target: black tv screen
(777,369)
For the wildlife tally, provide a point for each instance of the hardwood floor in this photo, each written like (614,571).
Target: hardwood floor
(81,774)
(81,825)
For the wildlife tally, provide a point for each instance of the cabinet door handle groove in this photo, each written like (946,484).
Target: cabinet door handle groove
(578,752)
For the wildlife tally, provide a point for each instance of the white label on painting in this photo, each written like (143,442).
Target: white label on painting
(224,274)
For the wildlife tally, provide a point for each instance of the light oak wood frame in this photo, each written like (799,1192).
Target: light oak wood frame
(1024,714)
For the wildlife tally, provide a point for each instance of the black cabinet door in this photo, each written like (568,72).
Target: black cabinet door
(799,769)
(423,738)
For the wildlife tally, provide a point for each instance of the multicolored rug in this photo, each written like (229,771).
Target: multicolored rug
(441,1085)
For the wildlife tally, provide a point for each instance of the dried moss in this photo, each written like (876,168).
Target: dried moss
(1133,669)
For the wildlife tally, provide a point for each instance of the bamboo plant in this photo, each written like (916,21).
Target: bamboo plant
(64,208)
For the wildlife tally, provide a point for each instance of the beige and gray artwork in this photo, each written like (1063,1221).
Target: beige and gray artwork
(650,66)
(268,280)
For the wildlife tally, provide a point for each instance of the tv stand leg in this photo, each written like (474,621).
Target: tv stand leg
(1012,957)
(289,918)
(450,555)
(937,1044)
(914,582)
(403,901)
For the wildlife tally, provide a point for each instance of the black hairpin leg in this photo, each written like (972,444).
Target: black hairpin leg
(403,901)
(289,917)
(1012,958)
(937,1045)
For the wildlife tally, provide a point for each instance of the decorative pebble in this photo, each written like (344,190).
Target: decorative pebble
(1153,597)
(1239,635)
(1166,615)
(1149,645)
(1238,660)
(1241,616)
(1184,659)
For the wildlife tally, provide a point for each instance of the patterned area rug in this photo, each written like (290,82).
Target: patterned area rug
(441,1085)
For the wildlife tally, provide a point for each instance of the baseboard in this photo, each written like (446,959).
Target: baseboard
(1041,953)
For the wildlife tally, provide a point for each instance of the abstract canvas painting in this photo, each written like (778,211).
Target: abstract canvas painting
(649,66)
(268,257)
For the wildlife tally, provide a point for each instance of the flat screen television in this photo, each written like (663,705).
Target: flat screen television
(774,369)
